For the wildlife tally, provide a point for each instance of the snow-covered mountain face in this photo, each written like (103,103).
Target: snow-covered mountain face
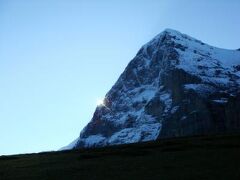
(175,86)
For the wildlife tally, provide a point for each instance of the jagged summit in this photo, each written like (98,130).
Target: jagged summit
(175,86)
(176,36)
(193,51)
(173,32)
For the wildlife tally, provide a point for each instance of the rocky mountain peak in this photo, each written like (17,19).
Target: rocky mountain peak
(175,86)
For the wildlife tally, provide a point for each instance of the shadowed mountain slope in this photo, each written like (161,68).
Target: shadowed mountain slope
(174,86)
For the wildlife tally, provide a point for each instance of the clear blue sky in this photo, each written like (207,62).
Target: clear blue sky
(58,57)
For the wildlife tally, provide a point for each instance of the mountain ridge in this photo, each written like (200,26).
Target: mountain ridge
(170,88)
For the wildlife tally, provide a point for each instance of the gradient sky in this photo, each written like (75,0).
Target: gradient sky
(58,57)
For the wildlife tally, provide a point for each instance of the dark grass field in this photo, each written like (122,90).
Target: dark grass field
(210,157)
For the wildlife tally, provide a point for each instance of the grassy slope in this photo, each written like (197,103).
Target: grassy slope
(212,157)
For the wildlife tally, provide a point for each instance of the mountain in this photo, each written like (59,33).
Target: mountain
(175,86)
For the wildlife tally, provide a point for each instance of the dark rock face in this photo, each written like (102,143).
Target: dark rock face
(175,86)
(199,116)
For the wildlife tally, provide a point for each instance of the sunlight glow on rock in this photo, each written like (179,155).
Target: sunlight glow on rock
(100,102)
